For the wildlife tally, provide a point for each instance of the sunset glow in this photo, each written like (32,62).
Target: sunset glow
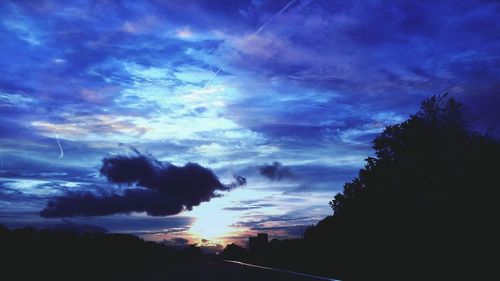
(216,120)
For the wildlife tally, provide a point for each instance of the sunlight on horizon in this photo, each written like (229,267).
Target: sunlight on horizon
(215,223)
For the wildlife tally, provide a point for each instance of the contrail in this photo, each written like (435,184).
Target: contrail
(271,18)
(255,34)
(61,155)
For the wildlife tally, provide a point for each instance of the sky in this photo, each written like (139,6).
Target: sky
(209,121)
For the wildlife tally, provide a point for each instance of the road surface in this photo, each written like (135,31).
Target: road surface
(233,271)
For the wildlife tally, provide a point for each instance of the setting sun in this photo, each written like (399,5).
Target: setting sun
(212,228)
(212,223)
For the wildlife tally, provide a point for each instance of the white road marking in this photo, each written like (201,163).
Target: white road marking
(281,270)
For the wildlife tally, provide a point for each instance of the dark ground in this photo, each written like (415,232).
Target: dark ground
(223,270)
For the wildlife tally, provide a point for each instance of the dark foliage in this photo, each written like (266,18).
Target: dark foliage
(423,205)
(234,252)
(29,254)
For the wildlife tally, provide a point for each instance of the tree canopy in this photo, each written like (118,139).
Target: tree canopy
(427,198)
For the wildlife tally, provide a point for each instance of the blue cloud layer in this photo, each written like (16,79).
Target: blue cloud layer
(231,85)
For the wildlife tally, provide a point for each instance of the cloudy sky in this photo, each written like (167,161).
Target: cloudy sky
(219,119)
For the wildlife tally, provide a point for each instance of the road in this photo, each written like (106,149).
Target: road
(232,271)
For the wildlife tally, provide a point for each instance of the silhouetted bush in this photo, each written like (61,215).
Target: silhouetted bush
(234,252)
(60,255)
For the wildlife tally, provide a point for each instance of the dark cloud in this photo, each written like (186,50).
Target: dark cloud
(70,226)
(177,241)
(160,189)
(275,171)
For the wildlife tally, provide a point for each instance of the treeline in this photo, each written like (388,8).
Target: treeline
(61,255)
(425,207)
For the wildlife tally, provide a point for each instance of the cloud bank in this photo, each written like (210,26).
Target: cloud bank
(159,189)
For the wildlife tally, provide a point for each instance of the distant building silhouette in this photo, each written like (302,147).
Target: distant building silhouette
(258,244)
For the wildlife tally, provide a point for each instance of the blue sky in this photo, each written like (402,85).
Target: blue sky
(233,86)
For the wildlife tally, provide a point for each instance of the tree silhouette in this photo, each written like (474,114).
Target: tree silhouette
(234,252)
(28,254)
(423,204)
